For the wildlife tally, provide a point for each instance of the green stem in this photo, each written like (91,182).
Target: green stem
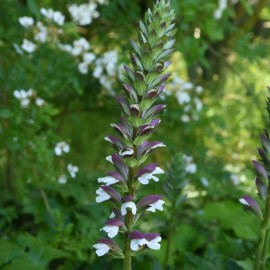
(262,248)
(170,232)
(265,248)
(129,217)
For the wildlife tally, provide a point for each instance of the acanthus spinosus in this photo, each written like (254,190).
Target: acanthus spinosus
(145,82)
(262,182)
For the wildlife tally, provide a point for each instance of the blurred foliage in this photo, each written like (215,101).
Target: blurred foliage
(48,225)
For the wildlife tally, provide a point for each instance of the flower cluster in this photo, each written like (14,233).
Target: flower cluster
(106,69)
(84,14)
(25,97)
(222,5)
(187,96)
(53,15)
(42,32)
(145,84)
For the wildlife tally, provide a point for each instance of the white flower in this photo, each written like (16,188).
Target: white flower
(101,249)
(47,13)
(218,14)
(144,179)
(130,205)
(83,14)
(65,47)
(198,104)
(62,179)
(112,215)
(199,89)
(40,102)
(187,86)
(153,244)
(97,71)
(191,168)
(135,243)
(235,179)
(185,118)
(182,97)
(111,230)
(58,17)
(83,67)
(88,57)
(41,36)
(28,46)
(26,21)
(109,158)
(157,205)
(204,182)
(243,201)
(20,94)
(108,180)
(72,170)
(61,147)
(81,43)
(25,103)
(102,195)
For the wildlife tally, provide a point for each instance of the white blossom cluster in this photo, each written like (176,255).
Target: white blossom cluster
(41,32)
(25,97)
(80,47)
(186,94)
(84,14)
(107,70)
(191,167)
(222,5)
(53,15)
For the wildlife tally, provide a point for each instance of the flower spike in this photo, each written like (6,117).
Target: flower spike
(145,81)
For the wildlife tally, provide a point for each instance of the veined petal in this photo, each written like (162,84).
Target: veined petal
(108,180)
(101,249)
(102,195)
(130,205)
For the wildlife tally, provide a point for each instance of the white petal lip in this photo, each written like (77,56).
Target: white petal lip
(135,243)
(130,205)
(158,205)
(144,179)
(108,180)
(109,158)
(153,244)
(126,152)
(243,201)
(112,215)
(101,249)
(102,196)
(111,230)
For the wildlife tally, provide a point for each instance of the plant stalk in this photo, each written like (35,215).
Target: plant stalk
(129,217)
(263,242)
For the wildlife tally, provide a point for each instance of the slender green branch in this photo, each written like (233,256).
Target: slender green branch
(47,204)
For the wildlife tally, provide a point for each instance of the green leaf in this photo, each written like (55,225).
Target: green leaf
(247,264)
(33,7)
(232,217)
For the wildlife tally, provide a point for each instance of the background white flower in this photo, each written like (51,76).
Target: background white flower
(72,170)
